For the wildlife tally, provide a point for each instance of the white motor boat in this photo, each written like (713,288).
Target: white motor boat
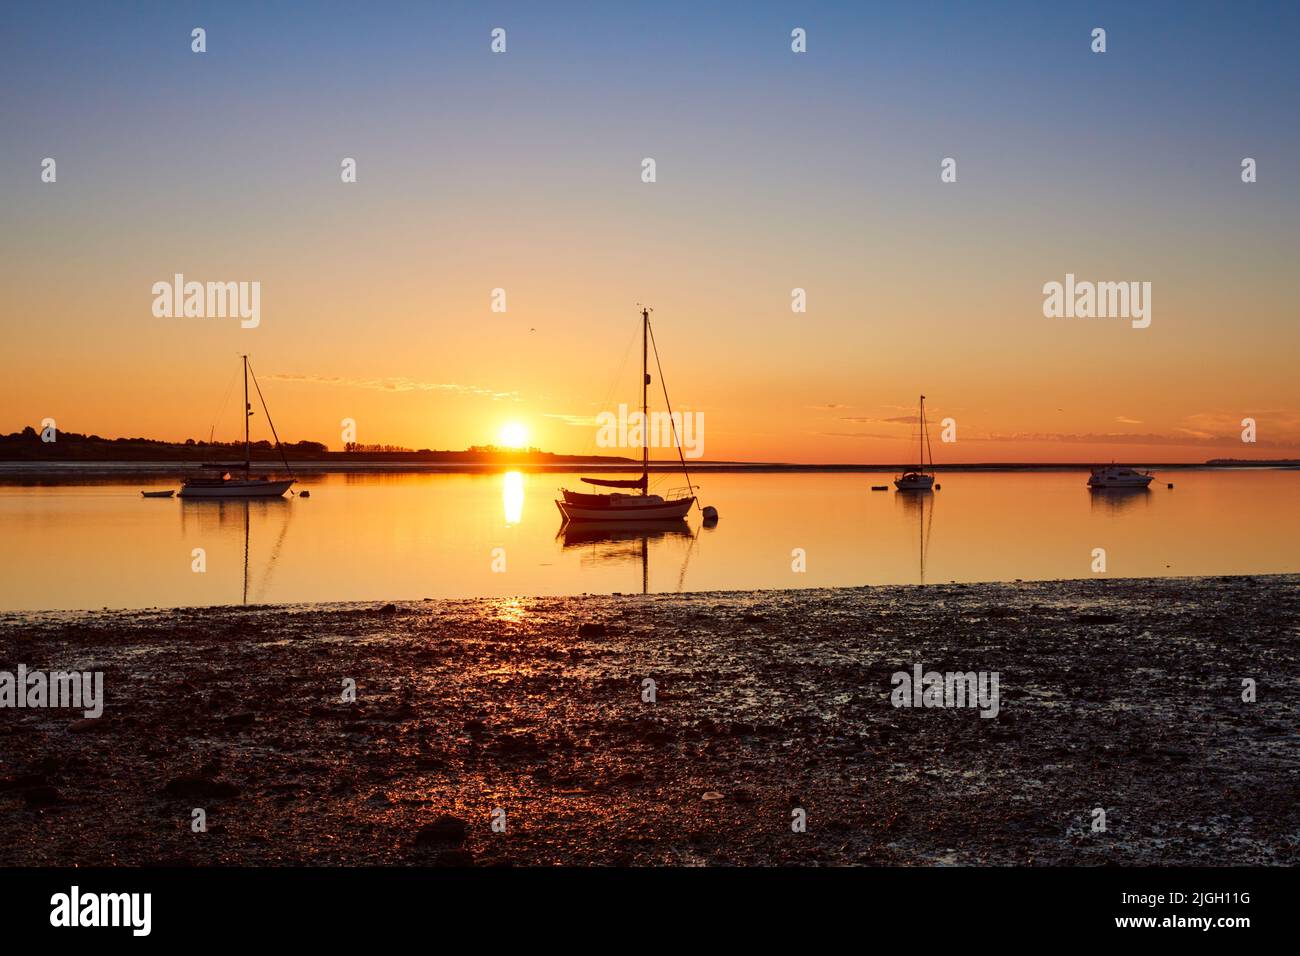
(914,481)
(1119,476)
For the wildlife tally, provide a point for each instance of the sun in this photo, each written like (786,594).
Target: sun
(512,435)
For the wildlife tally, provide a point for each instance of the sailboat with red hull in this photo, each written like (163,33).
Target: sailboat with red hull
(634,503)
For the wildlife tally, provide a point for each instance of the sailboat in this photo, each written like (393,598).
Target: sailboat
(625,505)
(918,479)
(237,481)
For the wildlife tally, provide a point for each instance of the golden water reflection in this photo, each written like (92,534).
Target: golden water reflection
(512,496)
(406,537)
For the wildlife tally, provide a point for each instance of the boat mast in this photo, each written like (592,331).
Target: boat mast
(645,402)
(248,411)
(668,405)
(279,445)
(925,438)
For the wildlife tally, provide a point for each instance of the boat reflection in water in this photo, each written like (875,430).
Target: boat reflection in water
(920,507)
(227,515)
(626,542)
(1117,500)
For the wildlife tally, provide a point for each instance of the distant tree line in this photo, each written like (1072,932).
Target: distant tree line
(355,447)
(498,450)
(27,445)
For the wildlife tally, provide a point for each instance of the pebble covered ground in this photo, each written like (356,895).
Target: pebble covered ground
(1119,694)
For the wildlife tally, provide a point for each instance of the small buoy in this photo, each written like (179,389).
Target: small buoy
(937,487)
(880,487)
(304,494)
(710,514)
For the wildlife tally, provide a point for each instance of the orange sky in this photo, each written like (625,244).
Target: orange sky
(824,386)
(521,173)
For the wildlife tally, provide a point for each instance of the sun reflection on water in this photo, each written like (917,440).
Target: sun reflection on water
(512,496)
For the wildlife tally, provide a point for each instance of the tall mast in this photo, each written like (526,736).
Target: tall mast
(925,438)
(668,406)
(921,436)
(248,410)
(645,402)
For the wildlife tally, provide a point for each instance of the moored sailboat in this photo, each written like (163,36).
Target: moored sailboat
(626,505)
(919,479)
(236,480)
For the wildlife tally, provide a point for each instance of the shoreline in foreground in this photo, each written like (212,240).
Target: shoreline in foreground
(1119,694)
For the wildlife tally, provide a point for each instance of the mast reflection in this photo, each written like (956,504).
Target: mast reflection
(624,542)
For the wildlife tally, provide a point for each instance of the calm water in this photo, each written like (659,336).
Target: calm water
(411,536)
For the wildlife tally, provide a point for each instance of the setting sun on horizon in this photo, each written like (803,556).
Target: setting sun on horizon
(513,435)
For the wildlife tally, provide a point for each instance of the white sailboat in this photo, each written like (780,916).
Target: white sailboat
(919,479)
(237,481)
(641,505)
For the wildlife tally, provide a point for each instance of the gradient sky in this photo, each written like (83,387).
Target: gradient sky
(775,170)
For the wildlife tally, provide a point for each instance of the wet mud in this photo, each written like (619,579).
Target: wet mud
(518,731)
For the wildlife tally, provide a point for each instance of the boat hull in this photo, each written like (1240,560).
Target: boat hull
(1117,476)
(627,509)
(238,488)
(915,483)
(1139,482)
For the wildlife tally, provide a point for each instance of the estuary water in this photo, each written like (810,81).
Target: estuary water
(409,536)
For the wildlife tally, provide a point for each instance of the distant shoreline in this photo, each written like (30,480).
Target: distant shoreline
(28,455)
(19,471)
(13,472)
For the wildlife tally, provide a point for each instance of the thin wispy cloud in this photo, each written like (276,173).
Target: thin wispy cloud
(1178,437)
(896,420)
(871,435)
(1202,429)
(391,384)
(583,421)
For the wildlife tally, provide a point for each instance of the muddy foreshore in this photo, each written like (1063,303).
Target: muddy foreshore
(1124,695)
